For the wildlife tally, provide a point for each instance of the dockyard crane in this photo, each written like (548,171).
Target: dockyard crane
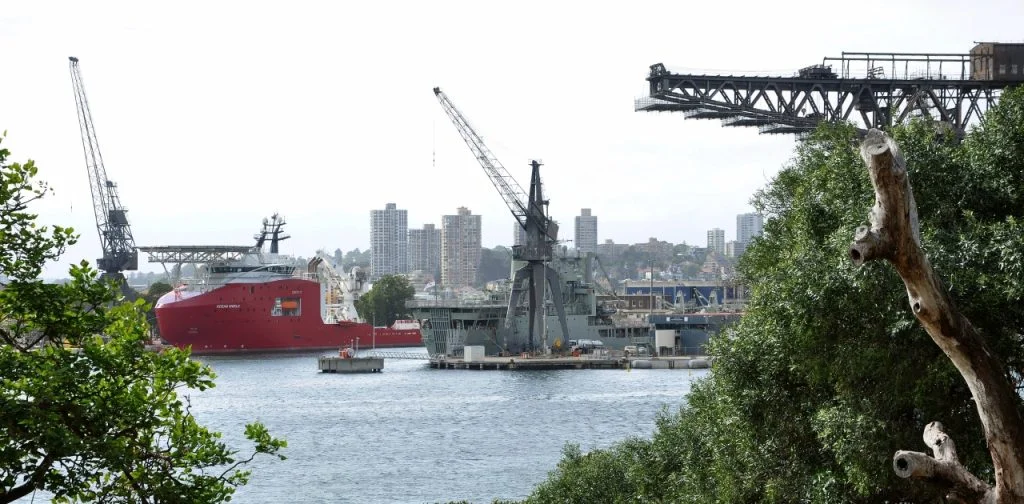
(530,211)
(119,252)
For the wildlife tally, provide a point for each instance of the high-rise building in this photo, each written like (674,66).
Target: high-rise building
(518,234)
(425,250)
(586,231)
(460,248)
(748,225)
(735,248)
(716,240)
(389,235)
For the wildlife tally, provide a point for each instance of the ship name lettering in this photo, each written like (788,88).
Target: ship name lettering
(222,306)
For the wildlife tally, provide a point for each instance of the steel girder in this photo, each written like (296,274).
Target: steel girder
(195,254)
(797,104)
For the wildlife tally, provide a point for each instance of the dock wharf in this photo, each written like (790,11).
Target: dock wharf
(338,364)
(581,362)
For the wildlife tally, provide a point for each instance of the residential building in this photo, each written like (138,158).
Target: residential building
(735,248)
(425,250)
(460,248)
(389,229)
(586,231)
(716,267)
(748,225)
(611,249)
(660,250)
(716,240)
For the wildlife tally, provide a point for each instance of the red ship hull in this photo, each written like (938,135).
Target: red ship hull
(282,315)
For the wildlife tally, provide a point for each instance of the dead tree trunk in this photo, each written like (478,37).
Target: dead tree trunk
(894,236)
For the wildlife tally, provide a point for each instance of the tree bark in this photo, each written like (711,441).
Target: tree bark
(944,469)
(34,482)
(894,236)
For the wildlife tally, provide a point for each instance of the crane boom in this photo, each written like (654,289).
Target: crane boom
(541,234)
(119,253)
(507,186)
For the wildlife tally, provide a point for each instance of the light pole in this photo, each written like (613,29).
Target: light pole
(650,263)
(650,317)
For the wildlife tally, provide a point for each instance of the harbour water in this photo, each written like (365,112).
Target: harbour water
(412,434)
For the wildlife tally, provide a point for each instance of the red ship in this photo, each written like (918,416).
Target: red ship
(260,303)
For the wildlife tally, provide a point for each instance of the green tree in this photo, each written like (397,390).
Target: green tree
(151,296)
(495,264)
(385,302)
(157,289)
(828,373)
(356,257)
(85,412)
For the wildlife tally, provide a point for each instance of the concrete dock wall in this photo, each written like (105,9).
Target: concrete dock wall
(351,365)
(539,363)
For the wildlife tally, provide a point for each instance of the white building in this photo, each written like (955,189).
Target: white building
(716,240)
(748,225)
(460,248)
(425,250)
(389,243)
(586,231)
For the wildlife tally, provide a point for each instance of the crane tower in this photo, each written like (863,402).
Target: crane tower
(530,211)
(119,252)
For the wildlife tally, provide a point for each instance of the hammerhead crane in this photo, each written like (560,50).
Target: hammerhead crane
(531,213)
(119,252)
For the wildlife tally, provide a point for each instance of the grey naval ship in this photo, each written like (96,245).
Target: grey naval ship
(448,326)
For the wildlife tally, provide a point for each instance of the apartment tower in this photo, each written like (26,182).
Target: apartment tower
(388,241)
(460,248)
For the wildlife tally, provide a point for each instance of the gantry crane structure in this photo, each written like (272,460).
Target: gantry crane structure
(873,90)
(178,256)
(530,211)
(119,252)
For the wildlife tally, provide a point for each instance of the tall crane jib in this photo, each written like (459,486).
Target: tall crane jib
(531,213)
(118,245)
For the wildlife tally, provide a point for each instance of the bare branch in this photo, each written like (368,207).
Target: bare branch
(944,469)
(950,475)
(942,446)
(894,235)
(35,481)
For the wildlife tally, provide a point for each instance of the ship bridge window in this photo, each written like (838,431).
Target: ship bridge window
(287,307)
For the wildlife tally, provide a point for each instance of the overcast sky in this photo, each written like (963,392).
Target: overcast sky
(213,115)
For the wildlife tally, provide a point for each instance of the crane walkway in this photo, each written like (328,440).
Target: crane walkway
(394,355)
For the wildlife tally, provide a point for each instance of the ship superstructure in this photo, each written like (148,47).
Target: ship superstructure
(448,326)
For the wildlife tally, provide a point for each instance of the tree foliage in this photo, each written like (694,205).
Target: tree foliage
(385,302)
(828,373)
(86,413)
(353,258)
(495,264)
(151,296)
